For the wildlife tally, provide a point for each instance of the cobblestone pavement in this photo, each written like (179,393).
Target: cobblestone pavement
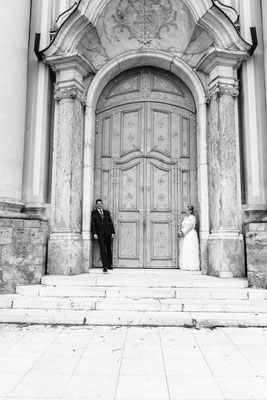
(132,363)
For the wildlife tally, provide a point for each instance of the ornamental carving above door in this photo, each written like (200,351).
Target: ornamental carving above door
(143,19)
(145,164)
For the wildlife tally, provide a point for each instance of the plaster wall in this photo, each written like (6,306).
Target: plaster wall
(14,37)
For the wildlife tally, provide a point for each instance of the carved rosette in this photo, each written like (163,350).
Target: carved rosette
(222,90)
(71,92)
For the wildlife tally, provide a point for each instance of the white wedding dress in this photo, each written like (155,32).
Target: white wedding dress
(188,245)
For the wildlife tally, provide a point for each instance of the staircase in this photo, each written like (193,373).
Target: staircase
(138,298)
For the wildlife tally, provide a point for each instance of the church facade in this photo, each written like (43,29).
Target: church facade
(151,105)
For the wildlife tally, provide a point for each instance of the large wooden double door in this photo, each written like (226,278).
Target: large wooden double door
(145,165)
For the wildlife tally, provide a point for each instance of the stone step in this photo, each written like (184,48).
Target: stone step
(137,279)
(139,298)
(132,318)
(132,304)
(142,292)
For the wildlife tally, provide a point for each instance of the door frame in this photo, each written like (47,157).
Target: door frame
(179,68)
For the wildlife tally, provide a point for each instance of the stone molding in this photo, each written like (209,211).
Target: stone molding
(35,211)
(70,61)
(231,12)
(12,208)
(71,92)
(256,214)
(204,12)
(15,209)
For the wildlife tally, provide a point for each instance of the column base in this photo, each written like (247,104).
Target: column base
(65,254)
(226,254)
(256,241)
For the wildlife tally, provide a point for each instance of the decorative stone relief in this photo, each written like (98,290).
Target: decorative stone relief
(144,20)
(165,25)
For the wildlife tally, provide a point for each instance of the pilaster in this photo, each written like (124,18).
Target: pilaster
(65,255)
(39,114)
(14,22)
(253,110)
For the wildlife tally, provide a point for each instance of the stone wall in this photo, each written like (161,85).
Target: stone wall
(256,253)
(23,244)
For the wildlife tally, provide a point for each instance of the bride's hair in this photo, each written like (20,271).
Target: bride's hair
(191,208)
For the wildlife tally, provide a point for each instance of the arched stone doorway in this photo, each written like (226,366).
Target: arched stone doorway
(146,164)
(189,80)
(210,73)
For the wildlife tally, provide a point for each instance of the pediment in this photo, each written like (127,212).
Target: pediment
(103,30)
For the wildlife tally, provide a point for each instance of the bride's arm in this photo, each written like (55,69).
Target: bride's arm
(187,229)
(190,225)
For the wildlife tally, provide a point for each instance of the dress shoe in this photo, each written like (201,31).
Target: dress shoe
(110,267)
(105,270)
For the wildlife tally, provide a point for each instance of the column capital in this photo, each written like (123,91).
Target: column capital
(70,69)
(220,89)
(69,92)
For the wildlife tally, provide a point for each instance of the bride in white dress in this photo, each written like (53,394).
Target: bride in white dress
(188,244)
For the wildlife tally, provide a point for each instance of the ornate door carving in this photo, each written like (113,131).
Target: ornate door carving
(145,164)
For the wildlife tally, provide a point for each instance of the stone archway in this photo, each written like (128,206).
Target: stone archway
(145,164)
(209,71)
(190,78)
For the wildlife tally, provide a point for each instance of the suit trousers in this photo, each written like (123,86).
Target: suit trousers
(105,250)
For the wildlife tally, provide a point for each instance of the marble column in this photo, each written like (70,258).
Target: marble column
(65,253)
(225,242)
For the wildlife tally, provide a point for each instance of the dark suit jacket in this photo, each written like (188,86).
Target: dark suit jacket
(102,227)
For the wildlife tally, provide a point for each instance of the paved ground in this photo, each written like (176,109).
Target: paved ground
(42,362)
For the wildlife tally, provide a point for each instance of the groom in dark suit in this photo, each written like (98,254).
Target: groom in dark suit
(103,230)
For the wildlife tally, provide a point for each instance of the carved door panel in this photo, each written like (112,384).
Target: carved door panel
(160,216)
(119,177)
(129,214)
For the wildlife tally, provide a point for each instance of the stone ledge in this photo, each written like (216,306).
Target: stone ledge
(132,318)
